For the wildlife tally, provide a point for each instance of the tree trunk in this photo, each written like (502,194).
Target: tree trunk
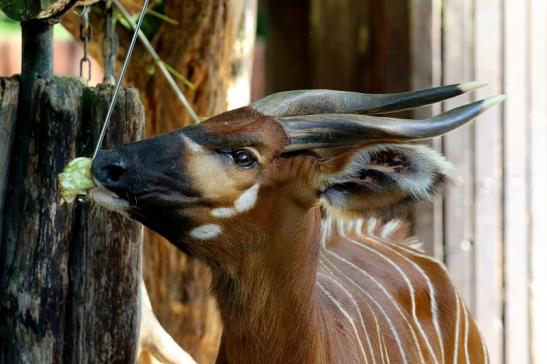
(69,278)
(200,47)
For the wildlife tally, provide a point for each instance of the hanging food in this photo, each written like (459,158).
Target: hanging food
(76,179)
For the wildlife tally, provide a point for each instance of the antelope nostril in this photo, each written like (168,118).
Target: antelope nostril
(113,172)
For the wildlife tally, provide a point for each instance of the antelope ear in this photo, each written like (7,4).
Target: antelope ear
(375,180)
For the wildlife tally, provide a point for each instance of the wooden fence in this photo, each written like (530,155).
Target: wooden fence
(491,226)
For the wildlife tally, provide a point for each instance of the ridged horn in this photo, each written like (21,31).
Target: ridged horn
(338,130)
(310,102)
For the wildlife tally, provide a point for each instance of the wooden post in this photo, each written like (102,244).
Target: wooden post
(105,252)
(36,234)
(488,170)
(425,54)
(458,147)
(9,96)
(516,188)
(70,277)
(288,58)
(538,175)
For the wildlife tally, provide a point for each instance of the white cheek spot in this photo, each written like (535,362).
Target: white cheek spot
(206,232)
(223,212)
(194,147)
(247,200)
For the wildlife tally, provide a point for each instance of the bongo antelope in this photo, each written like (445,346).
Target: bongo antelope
(279,199)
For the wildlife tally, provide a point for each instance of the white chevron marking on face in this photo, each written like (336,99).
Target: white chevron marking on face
(245,202)
(224,212)
(206,232)
(194,147)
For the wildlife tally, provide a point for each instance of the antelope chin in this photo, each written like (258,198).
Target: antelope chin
(109,200)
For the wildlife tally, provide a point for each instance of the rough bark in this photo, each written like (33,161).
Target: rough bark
(36,234)
(106,250)
(200,47)
(9,96)
(68,277)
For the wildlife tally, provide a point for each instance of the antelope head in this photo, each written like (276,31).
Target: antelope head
(226,187)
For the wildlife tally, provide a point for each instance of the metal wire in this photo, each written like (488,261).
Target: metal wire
(120,78)
(161,65)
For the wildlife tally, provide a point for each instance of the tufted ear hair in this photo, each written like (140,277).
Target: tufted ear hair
(376,180)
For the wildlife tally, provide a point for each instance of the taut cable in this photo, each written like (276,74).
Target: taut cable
(122,74)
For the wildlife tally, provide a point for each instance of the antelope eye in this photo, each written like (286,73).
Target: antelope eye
(244,158)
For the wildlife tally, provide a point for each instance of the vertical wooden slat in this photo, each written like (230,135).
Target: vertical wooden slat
(515,189)
(340,39)
(390,49)
(105,248)
(426,71)
(538,174)
(458,146)
(287,48)
(489,180)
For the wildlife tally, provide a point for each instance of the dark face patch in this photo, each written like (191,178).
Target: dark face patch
(177,183)
(151,175)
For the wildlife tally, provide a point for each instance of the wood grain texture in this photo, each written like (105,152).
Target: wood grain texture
(340,44)
(344,45)
(37,228)
(458,147)
(9,96)
(70,277)
(488,183)
(105,250)
(516,184)
(426,71)
(359,45)
(288,58)
(508,175)
(537,109)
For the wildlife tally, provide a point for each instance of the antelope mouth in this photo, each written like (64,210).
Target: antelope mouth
(108,199)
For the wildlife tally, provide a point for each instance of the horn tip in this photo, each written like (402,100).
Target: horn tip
(471,85)
(492,101)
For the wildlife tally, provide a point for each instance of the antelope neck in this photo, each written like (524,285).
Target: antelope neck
(271,308)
